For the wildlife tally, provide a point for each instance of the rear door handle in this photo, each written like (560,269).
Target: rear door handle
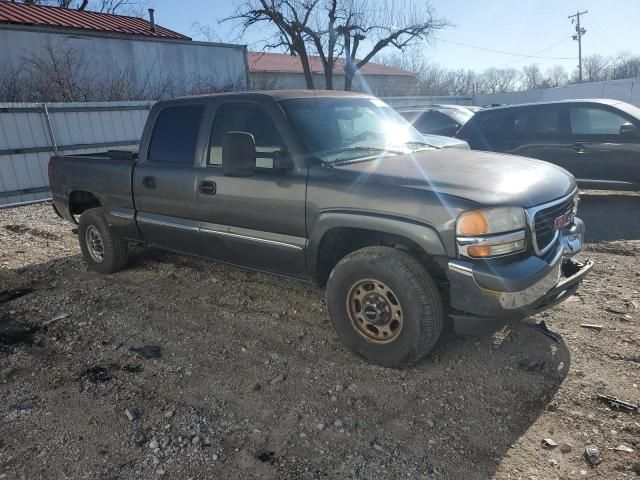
(578,147)
(207,188)
(149,182)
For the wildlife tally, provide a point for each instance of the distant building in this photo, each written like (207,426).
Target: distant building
(152,60)
(277,70)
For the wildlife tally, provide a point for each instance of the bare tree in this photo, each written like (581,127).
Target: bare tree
(625,65)
(398,24)
(531,77)
(412,59)
(329,27)
(205,32)
(290,19)
(556,76)
(499,80)
(594,68)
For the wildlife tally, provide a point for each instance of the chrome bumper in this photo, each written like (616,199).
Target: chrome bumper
(487,295)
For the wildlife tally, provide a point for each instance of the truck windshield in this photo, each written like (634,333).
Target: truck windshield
(343,129)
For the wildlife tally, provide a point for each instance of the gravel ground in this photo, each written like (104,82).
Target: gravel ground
(180,368)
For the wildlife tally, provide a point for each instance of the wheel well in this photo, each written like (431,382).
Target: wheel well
(79,201)
(340,242)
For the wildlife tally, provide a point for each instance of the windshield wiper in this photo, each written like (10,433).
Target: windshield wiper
(423,143)
(358,148)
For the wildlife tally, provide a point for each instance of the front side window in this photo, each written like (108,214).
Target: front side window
(250,118)
(341,129)
(595,121)
(175,135)
(539,121)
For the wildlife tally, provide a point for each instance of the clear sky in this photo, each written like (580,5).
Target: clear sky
(523,27)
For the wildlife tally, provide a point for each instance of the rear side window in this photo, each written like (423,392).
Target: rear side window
(595,121)
(175,135)
(433,120)
(533,122)
(250,118)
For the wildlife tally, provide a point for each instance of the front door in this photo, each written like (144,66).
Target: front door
(256,221)
(164,182)
(601,155)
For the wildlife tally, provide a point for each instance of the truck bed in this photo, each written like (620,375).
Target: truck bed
(106,175)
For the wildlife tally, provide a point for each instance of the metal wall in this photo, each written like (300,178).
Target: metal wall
(625,90)
(31,133)
(401,102)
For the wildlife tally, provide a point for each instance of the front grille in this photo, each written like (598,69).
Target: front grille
(543,222)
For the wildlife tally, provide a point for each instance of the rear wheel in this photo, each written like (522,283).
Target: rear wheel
(385,306)
(103,250)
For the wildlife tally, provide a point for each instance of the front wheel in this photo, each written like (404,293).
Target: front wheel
(385,306)
(103,250)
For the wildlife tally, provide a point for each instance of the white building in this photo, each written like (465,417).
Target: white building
(154,60)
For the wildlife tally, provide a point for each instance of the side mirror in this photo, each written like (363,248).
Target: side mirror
(238,154)
(628,130)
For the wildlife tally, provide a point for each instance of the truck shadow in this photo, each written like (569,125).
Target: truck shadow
(610,216)
(453,415)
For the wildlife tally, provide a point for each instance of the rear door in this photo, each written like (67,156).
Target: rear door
(164,183)
(541,132)
(256,221)
(601,156)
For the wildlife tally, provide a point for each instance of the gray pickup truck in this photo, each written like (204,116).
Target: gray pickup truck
(336,188)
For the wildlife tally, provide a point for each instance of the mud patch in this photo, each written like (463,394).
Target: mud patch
(13,294)
(613,249)
(148,351)
(97,374)
(23,336)
(36,232)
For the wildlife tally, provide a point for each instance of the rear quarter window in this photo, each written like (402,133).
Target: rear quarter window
(175,134)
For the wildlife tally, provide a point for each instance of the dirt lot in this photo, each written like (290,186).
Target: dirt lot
(248,380)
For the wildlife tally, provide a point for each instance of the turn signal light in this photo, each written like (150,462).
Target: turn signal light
(479,250)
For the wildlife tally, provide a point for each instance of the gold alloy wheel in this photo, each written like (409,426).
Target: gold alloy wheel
(375,311)
(94,243)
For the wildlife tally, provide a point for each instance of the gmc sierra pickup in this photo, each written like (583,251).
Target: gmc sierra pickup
(336,188)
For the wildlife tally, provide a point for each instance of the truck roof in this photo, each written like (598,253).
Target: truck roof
(279,94)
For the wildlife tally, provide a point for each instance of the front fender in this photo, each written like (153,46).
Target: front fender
(425,236)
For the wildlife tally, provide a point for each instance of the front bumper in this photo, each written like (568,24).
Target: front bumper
(486,296)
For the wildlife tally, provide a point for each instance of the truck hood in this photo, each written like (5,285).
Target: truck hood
(483,177)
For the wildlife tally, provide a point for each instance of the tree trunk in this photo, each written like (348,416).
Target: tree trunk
(304,59)
(349,73)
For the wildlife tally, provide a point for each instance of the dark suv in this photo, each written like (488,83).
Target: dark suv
(598,141)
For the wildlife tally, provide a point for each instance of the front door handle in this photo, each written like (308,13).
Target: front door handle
(149,182)
(207,188)
(578,147)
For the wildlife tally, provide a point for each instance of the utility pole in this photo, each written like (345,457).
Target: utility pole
(578,36)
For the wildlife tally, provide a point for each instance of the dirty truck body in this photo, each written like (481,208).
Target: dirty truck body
(336,188)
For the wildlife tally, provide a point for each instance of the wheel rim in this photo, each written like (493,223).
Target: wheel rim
(94,243)
(375,311)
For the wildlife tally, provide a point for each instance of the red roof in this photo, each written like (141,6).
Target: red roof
(283,63)
(28,14)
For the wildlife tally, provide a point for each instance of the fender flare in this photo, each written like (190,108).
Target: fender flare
(425,236)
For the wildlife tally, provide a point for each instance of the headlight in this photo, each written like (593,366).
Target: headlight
(491,232)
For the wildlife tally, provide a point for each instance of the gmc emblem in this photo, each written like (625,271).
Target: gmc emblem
(563,220)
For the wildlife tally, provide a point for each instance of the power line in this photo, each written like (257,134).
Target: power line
(534,55)
(525,55)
